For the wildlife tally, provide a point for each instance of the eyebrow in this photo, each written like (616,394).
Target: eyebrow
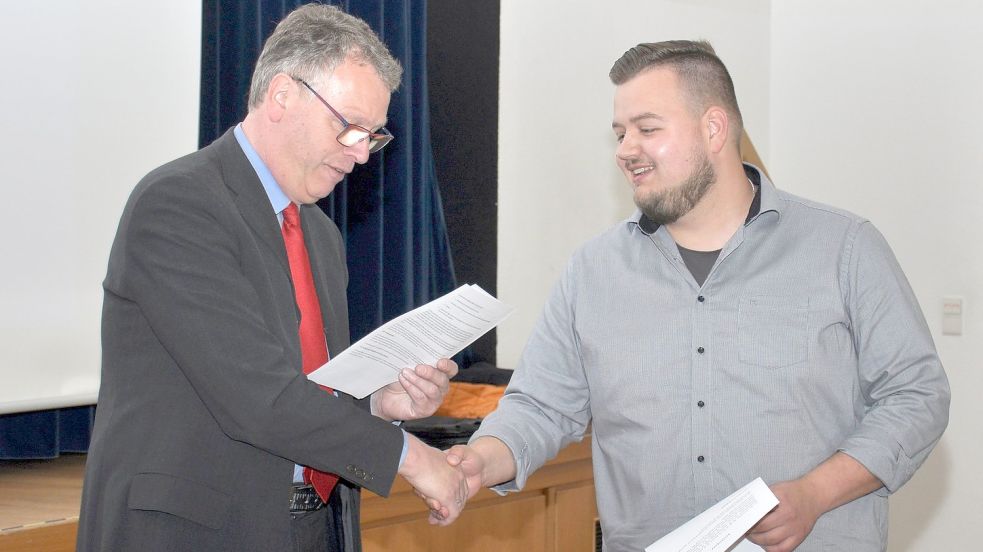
(639,117)
(357,117)
(382,126)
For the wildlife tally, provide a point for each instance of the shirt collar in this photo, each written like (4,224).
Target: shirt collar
(277,198)
(765,199)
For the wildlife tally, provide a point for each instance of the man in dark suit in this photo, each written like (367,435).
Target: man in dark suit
(205,415)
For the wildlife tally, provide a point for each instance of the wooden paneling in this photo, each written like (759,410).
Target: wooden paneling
(507,524)
(555,512)
(574,511)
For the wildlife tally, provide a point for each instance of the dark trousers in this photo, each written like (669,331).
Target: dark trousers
(311,533)
(326,530)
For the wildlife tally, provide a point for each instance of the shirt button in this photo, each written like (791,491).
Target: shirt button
(700,458)
(700,350)
(700,299)
(701,404)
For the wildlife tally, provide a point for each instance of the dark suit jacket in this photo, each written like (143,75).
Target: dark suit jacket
(203,409)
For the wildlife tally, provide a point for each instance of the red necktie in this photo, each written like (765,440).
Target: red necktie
(313,349)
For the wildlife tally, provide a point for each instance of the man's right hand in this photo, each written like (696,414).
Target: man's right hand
(471,462)
(442,486)
(486,462)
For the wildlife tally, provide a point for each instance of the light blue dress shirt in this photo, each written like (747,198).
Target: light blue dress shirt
(280,201)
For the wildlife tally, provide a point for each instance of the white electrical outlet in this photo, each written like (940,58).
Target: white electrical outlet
(952,316)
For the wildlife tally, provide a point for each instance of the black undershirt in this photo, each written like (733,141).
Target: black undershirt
(699,263)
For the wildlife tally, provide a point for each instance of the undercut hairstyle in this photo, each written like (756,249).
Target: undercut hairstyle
(703,77)
(312,41)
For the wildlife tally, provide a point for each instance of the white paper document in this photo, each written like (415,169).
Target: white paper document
(441,328)
(722,525)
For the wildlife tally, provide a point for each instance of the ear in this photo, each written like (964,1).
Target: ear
(281,94)
(716,128)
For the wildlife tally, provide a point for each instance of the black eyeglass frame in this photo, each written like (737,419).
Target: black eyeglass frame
(377,140)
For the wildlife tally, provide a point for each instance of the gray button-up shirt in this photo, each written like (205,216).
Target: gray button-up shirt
(804,340)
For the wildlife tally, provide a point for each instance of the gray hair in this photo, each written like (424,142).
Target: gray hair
(314,39)
(703,77)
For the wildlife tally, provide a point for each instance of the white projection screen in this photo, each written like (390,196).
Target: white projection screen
(95,95)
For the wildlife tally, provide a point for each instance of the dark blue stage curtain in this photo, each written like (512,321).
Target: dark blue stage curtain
(389,210)
(45,434)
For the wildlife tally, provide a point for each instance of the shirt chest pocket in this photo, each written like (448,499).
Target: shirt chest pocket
(772,331)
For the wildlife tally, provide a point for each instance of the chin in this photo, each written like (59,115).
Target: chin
(646,194)
(324,190)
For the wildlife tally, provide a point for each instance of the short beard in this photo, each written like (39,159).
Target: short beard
(668,206)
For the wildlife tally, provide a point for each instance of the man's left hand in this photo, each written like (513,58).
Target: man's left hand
(838,480)
(785,527)
(416,394)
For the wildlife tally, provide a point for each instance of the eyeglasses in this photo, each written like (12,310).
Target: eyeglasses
(353,134)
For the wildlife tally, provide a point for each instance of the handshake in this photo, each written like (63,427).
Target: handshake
(444,480)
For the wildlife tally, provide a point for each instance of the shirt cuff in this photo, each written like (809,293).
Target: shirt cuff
(406,447)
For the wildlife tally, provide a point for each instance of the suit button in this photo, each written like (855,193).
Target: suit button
(700,350)
(700,458)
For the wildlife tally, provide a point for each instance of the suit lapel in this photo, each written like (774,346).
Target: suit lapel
(250,197)
(254,205)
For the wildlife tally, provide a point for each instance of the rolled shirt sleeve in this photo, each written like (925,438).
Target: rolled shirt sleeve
(900,374)
(546,405)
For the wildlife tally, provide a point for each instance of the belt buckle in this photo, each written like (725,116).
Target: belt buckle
(303,498)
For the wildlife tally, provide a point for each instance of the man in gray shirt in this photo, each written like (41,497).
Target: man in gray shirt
(726,331)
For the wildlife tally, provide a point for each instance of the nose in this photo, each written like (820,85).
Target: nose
(627,148)
(359,151)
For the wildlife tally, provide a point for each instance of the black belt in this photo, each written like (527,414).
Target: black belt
(303,498)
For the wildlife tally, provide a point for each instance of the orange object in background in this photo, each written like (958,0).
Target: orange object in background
(470,400)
